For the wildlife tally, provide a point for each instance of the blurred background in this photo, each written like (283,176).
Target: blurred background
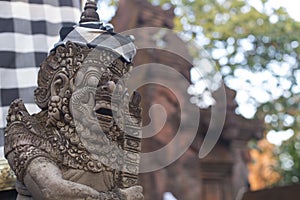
(251,46)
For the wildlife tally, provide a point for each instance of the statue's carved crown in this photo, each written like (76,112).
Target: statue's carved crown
(86,42)
(90,13)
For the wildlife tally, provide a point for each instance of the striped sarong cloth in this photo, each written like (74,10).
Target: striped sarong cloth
(29,29)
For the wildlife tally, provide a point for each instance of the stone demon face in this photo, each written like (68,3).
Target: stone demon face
(83,91)
(86,86)
(106,107)
(111,98)
(100,92)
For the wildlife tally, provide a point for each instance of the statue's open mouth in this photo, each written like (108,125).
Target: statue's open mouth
(104,111)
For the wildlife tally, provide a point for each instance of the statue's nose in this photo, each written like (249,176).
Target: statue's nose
(110,86)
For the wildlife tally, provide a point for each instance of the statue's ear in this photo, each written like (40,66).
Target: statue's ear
(59,85)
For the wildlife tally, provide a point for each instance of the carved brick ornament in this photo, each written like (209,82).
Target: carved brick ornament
(88,133)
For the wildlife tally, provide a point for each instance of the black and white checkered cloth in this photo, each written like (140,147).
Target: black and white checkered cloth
(96,35)
(28,30)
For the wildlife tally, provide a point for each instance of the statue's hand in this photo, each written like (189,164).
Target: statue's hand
(132,193)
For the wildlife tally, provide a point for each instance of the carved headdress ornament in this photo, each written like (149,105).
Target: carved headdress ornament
(94,33)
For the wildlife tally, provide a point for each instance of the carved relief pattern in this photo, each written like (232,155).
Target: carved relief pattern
(28,136)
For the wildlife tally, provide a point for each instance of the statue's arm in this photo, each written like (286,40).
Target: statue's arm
(44,181)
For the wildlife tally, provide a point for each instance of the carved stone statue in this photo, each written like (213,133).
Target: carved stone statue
(85,142)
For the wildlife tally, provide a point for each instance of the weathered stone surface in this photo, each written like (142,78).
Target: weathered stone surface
(85,142)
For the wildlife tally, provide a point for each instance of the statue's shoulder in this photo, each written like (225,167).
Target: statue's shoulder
(19,121)
(23,136)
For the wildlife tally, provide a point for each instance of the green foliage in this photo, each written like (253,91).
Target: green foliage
(227,24)
(238,36)
(289,161)
(264,43)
